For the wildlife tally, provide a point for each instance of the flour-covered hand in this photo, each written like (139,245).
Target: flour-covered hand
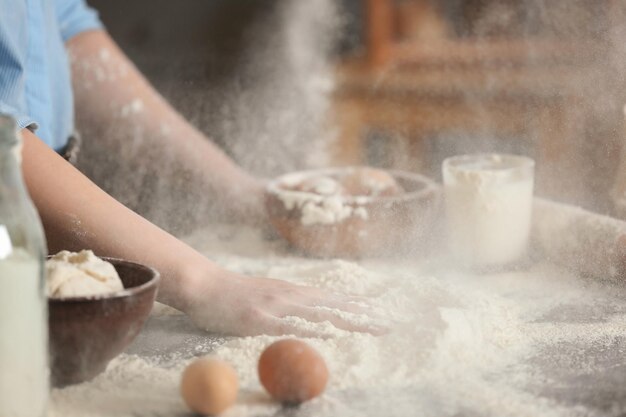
(234,304)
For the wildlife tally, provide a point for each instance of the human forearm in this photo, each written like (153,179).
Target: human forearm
(121,107)
(77,214)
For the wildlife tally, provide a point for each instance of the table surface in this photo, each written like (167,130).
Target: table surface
(603,390)
(570,376)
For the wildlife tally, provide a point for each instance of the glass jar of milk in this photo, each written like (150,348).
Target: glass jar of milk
(24,372)
(488,200)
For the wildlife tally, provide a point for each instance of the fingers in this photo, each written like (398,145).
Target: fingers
(318,293)
(342,320)
(312,323)
(339,303)
(316,297)
(356,311)
(291,326)
(266,306)
(318,306)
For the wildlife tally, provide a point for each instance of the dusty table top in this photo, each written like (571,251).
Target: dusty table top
(538,341)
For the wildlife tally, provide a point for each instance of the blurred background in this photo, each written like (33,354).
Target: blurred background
(284,84)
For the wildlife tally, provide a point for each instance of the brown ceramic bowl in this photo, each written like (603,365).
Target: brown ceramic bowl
(87,332)
(393,224)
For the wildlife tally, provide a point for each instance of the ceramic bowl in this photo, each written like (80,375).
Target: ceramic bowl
(87,332)
(377,226)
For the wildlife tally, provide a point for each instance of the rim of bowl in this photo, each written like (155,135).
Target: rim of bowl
(126,292)
(275,185)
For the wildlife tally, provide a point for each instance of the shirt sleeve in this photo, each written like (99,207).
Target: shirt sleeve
(74,17)
(13,47)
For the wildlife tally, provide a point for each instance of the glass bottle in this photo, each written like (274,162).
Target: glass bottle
(24,371)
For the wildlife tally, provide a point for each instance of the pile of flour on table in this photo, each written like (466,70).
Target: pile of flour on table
(463,344)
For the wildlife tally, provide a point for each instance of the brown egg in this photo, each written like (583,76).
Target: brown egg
(322,185)
(370,182)
(292,372)
(209,386)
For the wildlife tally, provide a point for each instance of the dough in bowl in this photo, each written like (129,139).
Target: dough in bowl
(80,274)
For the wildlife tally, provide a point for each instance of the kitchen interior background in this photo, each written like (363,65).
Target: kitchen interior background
(395,83)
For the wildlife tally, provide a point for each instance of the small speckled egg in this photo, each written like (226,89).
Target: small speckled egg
(292,372)
(209,386)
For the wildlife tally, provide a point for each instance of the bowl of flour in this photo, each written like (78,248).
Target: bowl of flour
(96,306)
(352,211)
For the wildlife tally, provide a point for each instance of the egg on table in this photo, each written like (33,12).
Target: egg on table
(321,185)
(292,372)
(366,181)
(209,386)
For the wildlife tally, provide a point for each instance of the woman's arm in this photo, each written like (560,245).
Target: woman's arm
(116,102)
(76,215)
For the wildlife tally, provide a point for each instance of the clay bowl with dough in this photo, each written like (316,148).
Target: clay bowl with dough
(87,332)
(392,224)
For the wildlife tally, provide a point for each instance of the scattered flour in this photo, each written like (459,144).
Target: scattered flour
(488,207)
(133,108)
(324,210)
(493,345)
(589,243)
(318,198)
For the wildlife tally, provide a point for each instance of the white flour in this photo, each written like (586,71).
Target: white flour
(591,244)
(323,204)
(462,345)
(488,208)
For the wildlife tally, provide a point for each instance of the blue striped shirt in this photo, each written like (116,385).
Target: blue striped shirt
(35,85)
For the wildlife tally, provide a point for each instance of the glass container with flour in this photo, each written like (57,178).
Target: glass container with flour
(24,374)
(488,199)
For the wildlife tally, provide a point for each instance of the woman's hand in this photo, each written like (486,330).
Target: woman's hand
(234,304)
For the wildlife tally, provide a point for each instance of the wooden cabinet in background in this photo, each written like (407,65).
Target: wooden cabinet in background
(450,78)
